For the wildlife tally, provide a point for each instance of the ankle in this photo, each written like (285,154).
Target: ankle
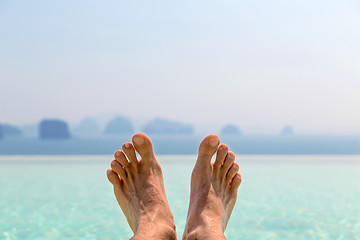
(204,228)
(158,231)
(204,232)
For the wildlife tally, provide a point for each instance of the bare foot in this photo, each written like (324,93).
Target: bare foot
(139,190)
(213,191)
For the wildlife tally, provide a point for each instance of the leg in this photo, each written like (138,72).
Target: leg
(213,191)
(139,190)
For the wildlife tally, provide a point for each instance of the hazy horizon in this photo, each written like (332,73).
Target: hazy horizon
(260,65)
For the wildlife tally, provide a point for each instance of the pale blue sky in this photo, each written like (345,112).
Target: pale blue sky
(258,64)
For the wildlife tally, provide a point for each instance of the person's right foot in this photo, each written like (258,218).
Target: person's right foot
(213,191)
(139,190)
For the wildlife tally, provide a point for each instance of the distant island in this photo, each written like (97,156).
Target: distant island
(30,130)
(10,130)
(230,129)
(53,129)
(7,130)
(119,125)
(287,131)
(170,137)
(162,126)
(88,127)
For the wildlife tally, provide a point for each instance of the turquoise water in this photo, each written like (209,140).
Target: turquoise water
(281,197)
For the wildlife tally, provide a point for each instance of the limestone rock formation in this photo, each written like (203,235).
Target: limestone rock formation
(119,125)
(288,131)
(10,130)
(54,129)
(88,127)
(162,126)
(230,129)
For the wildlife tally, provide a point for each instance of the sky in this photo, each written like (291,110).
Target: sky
(258,64)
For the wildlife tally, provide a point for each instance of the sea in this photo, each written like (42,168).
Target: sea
(281,197)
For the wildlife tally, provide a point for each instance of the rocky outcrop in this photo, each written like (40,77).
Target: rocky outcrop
(88,127)
(119,125)
(30,130)
(10,130)
(230,129)
(53,129)
(162,126)
(287,131)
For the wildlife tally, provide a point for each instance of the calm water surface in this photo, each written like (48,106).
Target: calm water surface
(281,197)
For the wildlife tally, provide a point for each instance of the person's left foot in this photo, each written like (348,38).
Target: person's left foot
(213,191)
(139,190)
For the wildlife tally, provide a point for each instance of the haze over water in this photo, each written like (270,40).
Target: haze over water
(260,65)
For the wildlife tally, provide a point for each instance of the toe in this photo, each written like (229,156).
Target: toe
(220,156)
(121,158)
(235,183)
(130,153)
(232,171)
(143,146)
(230,158)
(208,148)
(117,168)
(113,178)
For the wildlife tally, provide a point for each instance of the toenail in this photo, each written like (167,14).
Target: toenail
(223,147)
(213,142)
(127,145)
(231,154)
(117,154)
(139,140)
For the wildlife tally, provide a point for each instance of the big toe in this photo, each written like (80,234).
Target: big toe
(144,147)
(208,148)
